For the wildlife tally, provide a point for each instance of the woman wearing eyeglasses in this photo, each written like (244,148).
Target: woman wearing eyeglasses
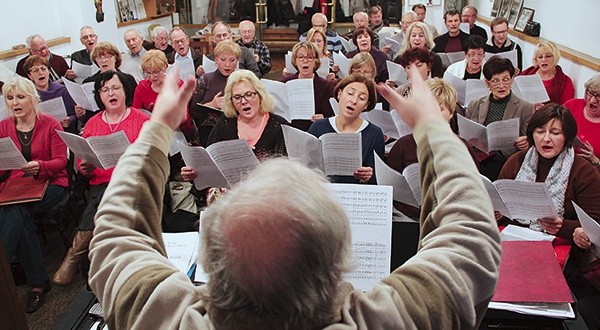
(38,71)
(108,58)
(154,67)
(113,97)
(587,116)
(545,64)
(248,115)
(34,134)
(306,60)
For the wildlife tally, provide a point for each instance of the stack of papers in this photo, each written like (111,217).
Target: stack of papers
(182,249)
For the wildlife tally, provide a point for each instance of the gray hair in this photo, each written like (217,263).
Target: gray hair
(593,84)
(30,39)
(411,13)
(275,248)
(158,30)
(86,27)
(360,13)
(136,31)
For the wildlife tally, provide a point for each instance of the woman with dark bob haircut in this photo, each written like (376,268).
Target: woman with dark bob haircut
(363,39)
(355,94)
(569,178)
(114,96)
(419,57)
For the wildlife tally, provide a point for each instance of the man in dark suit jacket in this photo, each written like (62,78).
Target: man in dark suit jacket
(501,104)
(88,38)
(184,57)
(453,40)
(58,66)
(160,40)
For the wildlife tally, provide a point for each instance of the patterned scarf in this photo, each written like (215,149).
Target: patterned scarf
(557,179)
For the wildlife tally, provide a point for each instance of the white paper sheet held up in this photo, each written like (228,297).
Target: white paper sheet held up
(182,249)
(397,73)
(294,99)
(590,227)
(343,63)
(208,64)
(82,94)
(12,158)
(499,135)
(54,107)
(102,151)
(405,186)
(530,88)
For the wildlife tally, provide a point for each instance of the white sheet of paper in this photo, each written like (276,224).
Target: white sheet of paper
(369,209)
(323,70)
(382,119)
(335,105)
(394,45)
(83,71)
(82,94)
(54,107)
(590,227)
(4,112)
(342,153)
(102,151)
(182,249)
(497,202)
(294,99)
(559,311)
(530,88)
(348,45)
(526,201)
(12,158)
(405,186)
(517,233)
(200,276)
(499,135)
(303,147)
(511,55)
(178,138)
(289,67)
(343,63)
(208,64)
(401,125)
(397,73)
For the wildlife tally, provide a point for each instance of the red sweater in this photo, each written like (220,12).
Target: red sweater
(96,126)
(586,130)
(47,148)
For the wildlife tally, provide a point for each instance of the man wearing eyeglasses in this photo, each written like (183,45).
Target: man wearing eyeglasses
(88,38)
(500,43)
(185,58)
(58,66)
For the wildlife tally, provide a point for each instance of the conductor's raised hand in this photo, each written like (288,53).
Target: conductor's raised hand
(420,107)
(171,104)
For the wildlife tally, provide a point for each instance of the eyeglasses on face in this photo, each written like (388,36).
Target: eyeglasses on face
(114,88)
(248,96)
(38,69)
(504,81)
(591,94)
(88,37)
(153,73)
(305,57)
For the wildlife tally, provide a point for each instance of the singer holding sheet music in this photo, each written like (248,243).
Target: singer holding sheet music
(113,95)
(501,104)
(38,71)
(306,60)
(551,159)
(355,94)
(247,114)
(569,178)
(34,135)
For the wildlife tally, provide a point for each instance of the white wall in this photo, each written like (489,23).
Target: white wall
(575,26)
(56,18)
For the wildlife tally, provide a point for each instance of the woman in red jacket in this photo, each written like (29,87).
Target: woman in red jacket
(34,134)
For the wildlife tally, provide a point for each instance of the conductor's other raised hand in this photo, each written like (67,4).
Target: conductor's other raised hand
(171,104)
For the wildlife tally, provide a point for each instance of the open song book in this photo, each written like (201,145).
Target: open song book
(520,200)
(294,99)
(82,94)
(221,164)
(332,153)
(102,151)
(499,135)
(406,185)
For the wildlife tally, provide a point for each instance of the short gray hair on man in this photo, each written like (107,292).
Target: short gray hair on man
(275,248)
(86,27)
(30,39)
(158,30)
(593,84)
(134,30)
(360,13)
(411,13)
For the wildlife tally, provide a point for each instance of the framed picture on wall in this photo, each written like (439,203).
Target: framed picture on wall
(496,8)
(505,9)
(525,16)
(515,8)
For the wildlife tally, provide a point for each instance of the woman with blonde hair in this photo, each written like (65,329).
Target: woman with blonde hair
(418,35)
(247,114)
(34,134)
(545,63)
(363,64)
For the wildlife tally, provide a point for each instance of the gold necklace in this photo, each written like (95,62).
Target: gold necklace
(25,137)
(112,130)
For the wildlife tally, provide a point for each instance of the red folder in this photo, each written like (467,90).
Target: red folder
(529,273)
(23,189)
